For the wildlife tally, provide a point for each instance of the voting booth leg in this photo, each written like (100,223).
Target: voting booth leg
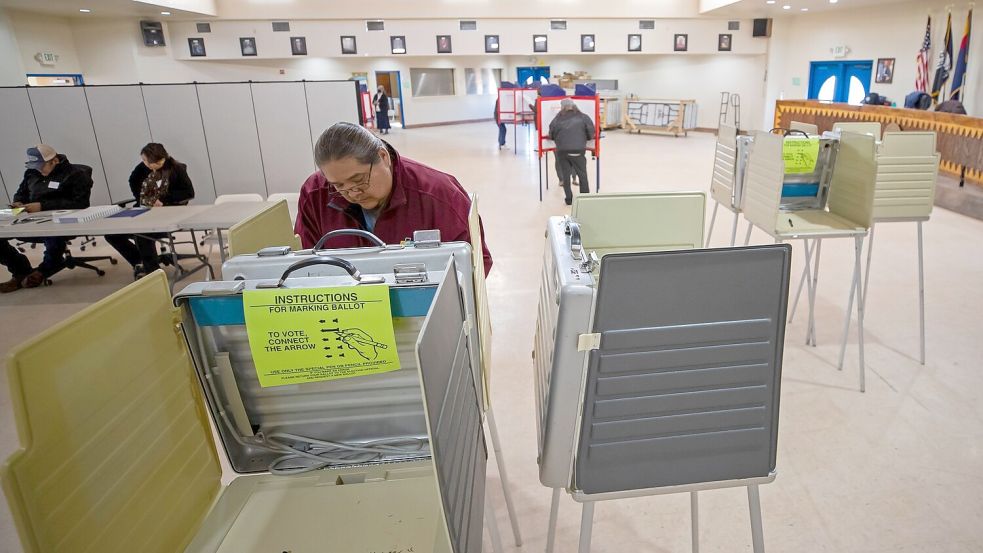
(809,290)
(539,173)
(818,248)
(492,524)
(551,530)
(713,219)
(733,231)
(747,237)
(757,533)
(694,513)
(586,527)
(515,140)
(503,475)
(856,289)
(921,293)
(597,182)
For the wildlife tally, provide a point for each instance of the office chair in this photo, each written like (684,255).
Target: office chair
(85,262)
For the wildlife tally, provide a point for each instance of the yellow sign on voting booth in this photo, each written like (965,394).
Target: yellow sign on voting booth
(800,154)
(315,334)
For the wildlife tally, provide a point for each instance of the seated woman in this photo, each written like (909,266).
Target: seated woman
(158,181)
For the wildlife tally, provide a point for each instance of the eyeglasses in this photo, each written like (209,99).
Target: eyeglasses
(356,186)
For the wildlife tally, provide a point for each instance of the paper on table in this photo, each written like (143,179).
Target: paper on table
(315,334)
(800,154)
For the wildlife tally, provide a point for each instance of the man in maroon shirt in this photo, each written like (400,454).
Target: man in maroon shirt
(364,184)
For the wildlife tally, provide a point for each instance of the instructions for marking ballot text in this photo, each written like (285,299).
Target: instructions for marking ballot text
(316,334)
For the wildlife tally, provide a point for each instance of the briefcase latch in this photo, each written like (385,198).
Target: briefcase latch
(426,238)
(410,273)
(588,342)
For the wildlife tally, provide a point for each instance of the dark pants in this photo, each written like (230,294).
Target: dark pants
(382,120)
(137,249)
(20,266)
(501,134)
(568,164)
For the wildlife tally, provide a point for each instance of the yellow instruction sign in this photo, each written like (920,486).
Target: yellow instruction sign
(800,154)
(315,334)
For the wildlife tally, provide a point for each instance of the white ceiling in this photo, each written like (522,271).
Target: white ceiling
(100,8)
(760,8)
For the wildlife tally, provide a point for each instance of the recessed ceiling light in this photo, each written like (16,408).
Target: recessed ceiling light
(805,9)
(770,2)
(85,10)
(833,1)
(786,7)
(165,13)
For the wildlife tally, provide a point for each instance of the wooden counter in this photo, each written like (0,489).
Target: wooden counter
(960,137)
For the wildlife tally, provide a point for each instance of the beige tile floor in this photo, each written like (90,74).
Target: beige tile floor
(898,469)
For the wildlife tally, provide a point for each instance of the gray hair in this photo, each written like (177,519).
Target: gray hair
(343,140)
(568,105)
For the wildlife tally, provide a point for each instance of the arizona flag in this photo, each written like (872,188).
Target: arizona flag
(945,64)
(957,77)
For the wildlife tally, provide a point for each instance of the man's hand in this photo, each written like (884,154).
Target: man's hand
(360,341)
(33,207)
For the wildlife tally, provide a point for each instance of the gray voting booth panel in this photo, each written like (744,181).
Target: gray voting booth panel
(175,122)
(120,121)
(19,132)
(63,120)
(370,261)
(233,141)
(329,102)
(433,393)
(684,386)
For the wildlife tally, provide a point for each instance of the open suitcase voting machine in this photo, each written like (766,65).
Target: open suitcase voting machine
(114,405)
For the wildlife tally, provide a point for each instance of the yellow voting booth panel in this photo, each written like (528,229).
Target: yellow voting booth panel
(117,454)
(270,227)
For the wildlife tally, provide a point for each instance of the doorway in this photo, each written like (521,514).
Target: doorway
(839,81)
(391,83)
(529,75)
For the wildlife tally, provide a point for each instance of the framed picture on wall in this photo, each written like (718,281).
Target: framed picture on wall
(586,43)
(680,43)
(397,44)
(197,47)
(298,45)
(634,43)
(492,45)
(247,45)
(885,71)
(348,45)
(724,42)
(443,44)
(539,43)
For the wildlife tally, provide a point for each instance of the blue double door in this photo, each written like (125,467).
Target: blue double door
(529,75)
(839,81)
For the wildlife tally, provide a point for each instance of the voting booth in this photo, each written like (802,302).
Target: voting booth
(640,388)
(547,110)
(345,399)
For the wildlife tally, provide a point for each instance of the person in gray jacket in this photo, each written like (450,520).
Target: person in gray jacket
(571,130)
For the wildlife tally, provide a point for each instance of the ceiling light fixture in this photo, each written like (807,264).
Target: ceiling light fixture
(85,10)
(805,9)
(770,2)
(165,13)
(833,1)
(786,7)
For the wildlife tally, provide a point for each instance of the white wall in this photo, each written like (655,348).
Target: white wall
(11,64)
(44,33)
(892,31)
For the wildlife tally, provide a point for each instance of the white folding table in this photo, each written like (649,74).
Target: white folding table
(221,217)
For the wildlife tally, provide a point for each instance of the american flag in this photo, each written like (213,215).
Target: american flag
(921,78)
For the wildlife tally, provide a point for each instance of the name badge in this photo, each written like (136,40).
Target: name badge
(54,185)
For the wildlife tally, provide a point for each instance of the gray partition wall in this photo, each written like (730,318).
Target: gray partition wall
(63,119)
(121,126)
(175,122)
(234,137)
(18,132)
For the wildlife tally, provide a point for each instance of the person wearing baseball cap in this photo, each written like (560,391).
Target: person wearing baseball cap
(50,182)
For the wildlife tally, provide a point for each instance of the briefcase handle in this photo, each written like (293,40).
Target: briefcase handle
(576,244)
(349,232)
(325,260)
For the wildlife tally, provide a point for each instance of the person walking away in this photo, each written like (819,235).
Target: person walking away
(158,180)
(501,126)
(570,130)
(50,182)
(381,103)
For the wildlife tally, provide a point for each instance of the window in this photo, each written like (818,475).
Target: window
(558,25)
(375,26)
(539,43)
(491,44)
(827,90)
(733,25)
(469,25)
(432,82)
(482,81)
(203,27)
(281,26)
(857,92)
(646,24)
